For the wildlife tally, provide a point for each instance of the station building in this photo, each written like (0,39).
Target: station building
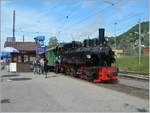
(146,51)
(26,55)
(118,52)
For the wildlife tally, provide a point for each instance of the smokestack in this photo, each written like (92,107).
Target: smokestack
(14,26)
(23,38)
(101,36)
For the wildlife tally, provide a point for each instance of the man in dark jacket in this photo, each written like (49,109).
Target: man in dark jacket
(45,67)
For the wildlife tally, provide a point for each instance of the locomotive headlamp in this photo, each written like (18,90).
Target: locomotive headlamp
(88,56)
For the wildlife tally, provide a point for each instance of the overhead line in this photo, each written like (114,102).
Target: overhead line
(112,4)
(89,16)
(66,18)
(123,20)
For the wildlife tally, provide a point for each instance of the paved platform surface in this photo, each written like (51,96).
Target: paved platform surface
(26,92)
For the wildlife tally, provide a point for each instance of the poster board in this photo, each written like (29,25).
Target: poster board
(13,67)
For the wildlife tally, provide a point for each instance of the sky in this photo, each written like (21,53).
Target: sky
(70,19)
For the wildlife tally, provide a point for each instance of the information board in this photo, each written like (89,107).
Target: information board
(13,67)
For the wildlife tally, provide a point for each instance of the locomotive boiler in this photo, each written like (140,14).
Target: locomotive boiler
(91,59)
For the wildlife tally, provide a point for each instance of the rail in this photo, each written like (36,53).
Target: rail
(134,75)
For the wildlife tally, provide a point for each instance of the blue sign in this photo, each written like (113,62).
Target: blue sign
(39,38)
(40,43)
(40,48)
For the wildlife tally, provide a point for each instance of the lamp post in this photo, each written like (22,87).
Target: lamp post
(22,33)
(115,35)
(36,41)
(36,47)
(139,42)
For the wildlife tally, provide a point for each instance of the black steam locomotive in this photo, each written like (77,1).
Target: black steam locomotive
(91,59)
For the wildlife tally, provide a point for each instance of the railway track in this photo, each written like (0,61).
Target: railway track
(134,75)
(134,86)
(127,89)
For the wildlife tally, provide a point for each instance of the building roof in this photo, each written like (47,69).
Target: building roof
(118,50)
(27,46)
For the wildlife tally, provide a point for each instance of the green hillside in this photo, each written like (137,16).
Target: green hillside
(129,40)
(131,63)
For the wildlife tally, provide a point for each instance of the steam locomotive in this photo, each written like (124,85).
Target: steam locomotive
(91,59)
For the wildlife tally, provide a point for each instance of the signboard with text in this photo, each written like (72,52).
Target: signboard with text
(40,48)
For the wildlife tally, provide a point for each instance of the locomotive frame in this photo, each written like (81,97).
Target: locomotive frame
(91,60)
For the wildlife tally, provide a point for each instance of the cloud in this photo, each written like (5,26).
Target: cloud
(28,22)
(88,3)
(34,18)
(88,29)
(47,17)
(6,1)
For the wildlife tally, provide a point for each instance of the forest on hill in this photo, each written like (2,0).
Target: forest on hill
(129,40)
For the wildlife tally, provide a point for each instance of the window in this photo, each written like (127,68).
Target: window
(19,58)
(22,58)
(14,59)
(26,58)
(31,58)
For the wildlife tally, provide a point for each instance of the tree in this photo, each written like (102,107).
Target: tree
(53,42)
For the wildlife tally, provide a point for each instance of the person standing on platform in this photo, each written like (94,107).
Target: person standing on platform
(42,65)
(57,62)
(38,67)
(34,66)
(45,67)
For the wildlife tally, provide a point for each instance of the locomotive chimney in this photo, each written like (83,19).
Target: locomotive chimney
(101,36)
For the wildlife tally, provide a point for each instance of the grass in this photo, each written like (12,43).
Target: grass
(131,63)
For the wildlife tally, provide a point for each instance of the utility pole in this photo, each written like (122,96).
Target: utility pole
(115,35)
(14,26)
(124,51)
(139,42)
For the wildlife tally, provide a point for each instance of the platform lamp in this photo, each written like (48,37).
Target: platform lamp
(115,35)
(36,41)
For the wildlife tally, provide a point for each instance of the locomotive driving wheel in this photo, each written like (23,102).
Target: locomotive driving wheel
(89,78)
(67,71)
(72,72)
